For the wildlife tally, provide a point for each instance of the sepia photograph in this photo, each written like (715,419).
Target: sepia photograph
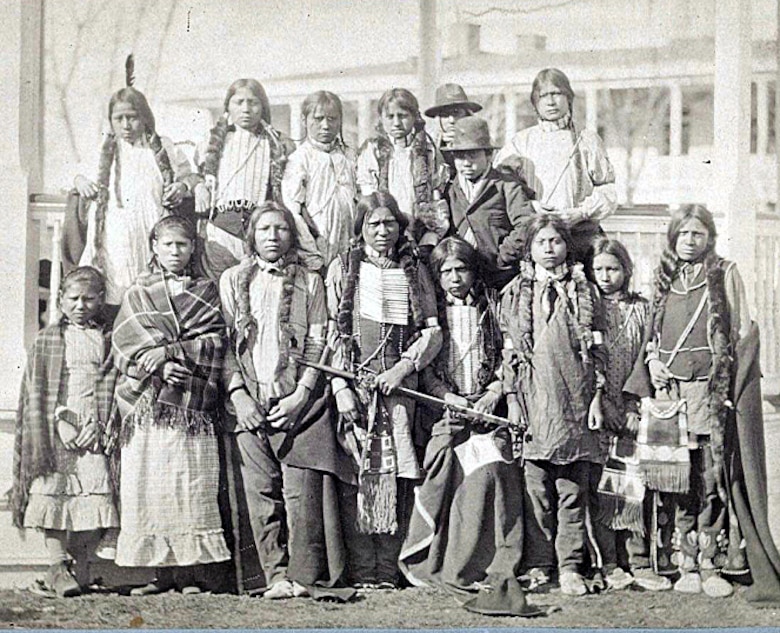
(385,315)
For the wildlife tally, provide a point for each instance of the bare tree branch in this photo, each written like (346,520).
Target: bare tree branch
(518,11)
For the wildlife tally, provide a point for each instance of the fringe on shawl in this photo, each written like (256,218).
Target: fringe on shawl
(148,412)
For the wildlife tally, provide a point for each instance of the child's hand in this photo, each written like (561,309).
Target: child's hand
(203,192)
(174,373)
(595,414)
(286,412)
(248,414)
(660,375)
(346,405)
(488,402)
(455,399)
(87,439)
(173,194)
(387,382)
(150,360)
(86,187)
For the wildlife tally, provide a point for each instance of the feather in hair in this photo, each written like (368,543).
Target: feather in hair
(130,70)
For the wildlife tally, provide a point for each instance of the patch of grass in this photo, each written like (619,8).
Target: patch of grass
(410,608)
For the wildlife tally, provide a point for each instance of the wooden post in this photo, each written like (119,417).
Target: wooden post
(364,119)
(592,108)
(675,139)
(297,131)
(20,174)
(427,69)
(731,193)
(762,117)
(510,114)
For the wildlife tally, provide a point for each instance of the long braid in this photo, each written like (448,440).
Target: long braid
(409,263)
(351,261)
(161,158)
(216,146)
(662,282)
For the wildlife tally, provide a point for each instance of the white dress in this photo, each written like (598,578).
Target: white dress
(323,181)
(124,251)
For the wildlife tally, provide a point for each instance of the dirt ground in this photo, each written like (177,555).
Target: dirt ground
(409,608)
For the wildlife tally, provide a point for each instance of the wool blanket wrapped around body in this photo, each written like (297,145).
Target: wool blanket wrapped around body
(191,327)
(467,521)
(36,429)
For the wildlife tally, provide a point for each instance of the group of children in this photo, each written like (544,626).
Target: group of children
(412,360)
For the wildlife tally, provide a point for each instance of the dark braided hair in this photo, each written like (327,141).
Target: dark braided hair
(670,263)
(536,223)
(407,259)
(490,337)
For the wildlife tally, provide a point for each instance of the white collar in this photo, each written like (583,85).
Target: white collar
(557,274)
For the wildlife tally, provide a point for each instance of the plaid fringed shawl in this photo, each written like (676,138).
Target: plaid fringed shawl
(191,328)
(36,431)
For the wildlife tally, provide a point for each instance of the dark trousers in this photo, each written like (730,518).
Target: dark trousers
(555,498)
(373,558)
(270,495)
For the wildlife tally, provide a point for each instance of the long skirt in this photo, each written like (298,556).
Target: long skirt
(168,492)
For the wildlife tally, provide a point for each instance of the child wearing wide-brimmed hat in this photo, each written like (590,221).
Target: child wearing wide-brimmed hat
(452,104)
(485,204)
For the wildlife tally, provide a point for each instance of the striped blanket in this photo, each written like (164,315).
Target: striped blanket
(190,327)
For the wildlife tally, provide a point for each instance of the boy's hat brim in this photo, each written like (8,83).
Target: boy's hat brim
(471,133)
(448,96)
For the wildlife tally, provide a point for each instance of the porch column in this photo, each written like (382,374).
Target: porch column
(762,116)
(20,174)
(731,193)
(364,119)
(675,140)
(592,108)
(428,41)
(296,125)
(510,114)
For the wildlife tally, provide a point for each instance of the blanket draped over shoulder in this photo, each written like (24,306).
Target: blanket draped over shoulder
(36,431)
(745,461)
(191,328)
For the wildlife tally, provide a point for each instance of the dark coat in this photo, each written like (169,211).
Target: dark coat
(500,206)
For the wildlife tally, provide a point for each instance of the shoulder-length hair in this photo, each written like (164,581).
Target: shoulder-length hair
(607,246)
(136,99)
(257,90)
(403,98)
(543,220)
(325,99)
(558,79)
(457,248)
(670,262)
(270,206)
(366,205)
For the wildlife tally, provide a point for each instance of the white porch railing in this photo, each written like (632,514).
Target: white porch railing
(641,229)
